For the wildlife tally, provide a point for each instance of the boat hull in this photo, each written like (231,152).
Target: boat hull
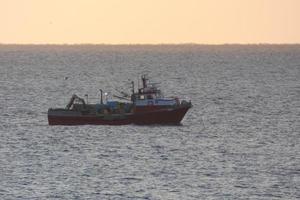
(162,116)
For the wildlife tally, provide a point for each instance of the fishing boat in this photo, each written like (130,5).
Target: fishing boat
(145,106)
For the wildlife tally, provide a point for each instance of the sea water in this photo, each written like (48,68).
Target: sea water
(240,140)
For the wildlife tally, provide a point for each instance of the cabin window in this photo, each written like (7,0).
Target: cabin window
(149,96)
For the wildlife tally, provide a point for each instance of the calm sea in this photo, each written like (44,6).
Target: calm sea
(241,139)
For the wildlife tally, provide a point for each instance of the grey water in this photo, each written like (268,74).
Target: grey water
(241,139)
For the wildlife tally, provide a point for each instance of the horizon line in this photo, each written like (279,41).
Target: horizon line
(146,44)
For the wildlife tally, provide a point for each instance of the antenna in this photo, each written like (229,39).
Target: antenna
(87,98)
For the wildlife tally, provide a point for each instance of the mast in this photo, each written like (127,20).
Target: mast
(101,93)
(144,79)
(132,85)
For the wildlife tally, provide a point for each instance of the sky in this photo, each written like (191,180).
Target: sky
(149,21)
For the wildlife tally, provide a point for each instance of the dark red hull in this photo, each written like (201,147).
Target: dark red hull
(161,116)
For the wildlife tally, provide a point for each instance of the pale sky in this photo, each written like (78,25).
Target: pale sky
(149,21)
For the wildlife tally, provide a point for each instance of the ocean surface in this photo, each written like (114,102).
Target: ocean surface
(241,139)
